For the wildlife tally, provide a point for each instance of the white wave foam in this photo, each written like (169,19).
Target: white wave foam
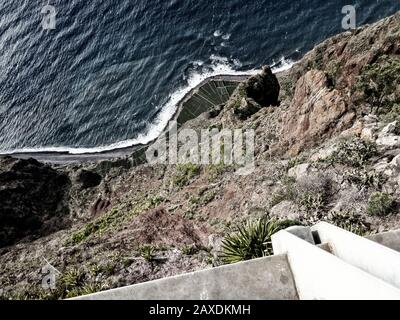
(198,63)
(283,65)
(219,66)
(217,33)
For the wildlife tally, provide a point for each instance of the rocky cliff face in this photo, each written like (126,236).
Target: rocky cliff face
(316,111)
(327,149)
(325,83)
(33,200)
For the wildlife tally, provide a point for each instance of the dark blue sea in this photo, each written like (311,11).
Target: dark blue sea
(111,72)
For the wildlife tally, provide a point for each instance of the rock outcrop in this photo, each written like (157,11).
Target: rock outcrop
(246,108)
(259,91)
(263,88)
(316,112)
(32,200)
(88,179)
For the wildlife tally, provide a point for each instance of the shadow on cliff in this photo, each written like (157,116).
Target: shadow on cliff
(33,200)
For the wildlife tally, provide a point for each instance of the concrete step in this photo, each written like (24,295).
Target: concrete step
(390,239)
(343,267)
(369,256)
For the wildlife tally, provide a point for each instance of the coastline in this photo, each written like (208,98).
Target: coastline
(66,157)
(323,155)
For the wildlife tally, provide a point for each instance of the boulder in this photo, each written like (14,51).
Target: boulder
(286,210)
(299,171)
(387,137)
(389,142)
(384,167)
(396,162)
(324,153)
(263,88)
(368,133)
(388,130)
(247,108)
(370,127)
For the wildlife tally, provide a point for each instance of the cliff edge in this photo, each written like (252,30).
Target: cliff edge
(327,136)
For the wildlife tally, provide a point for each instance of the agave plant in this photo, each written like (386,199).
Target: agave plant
(252,240)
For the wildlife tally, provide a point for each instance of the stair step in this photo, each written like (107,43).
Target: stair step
(321,275)
(367,255)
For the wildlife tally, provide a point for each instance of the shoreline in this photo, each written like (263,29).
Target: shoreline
(66,157)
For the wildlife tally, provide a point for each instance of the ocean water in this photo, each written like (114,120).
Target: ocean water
(111,72)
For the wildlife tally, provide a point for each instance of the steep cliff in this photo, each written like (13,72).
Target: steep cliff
(327,149)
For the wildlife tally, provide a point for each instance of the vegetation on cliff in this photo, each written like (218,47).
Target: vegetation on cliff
(327,148)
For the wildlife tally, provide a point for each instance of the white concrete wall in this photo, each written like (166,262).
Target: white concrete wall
(267,278)
(323,276)
(378,260)
(390,239)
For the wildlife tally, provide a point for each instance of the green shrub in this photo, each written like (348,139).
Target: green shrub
(350,221)
(333,70)
(364,178)
(380,204)
(318,61)
(287,87)
(190,249)
(286,223)
(392,115)
(215,170)
(311,193)
(73,278)
(107,269)
(147,252)
(293,162)
(71,283)
(85,290)
(252,240)
(155,201)
(287,192)
(377,84)
(185,173)
(203,198)
(112,219)
(278,197)
(354,153)
(312,202)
